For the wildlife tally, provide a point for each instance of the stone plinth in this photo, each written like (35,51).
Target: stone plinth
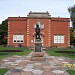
(37,56)
(37,45)
(37,59)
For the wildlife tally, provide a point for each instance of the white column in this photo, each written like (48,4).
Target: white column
(28,32)
(49,33)
(68,33)
(8,31)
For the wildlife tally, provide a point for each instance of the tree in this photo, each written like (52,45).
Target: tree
(71,35)
(3,31)
(72,15)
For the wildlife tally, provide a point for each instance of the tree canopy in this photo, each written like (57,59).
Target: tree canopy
(71,35)
(3,31)
(72,15)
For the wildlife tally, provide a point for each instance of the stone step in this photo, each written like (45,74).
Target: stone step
(37,54)
(37,59)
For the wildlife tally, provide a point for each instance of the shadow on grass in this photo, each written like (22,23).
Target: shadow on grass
(7,52)
(66,52)
(11,51)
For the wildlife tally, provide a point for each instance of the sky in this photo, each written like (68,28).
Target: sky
(15,8)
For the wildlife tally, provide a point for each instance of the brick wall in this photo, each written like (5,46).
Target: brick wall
(60,26)
(25,26)
(17,25)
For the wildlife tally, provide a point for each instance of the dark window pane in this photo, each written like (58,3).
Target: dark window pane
(21,40)
(18,41)
(14,40)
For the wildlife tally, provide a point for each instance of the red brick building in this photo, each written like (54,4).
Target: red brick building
(54,30)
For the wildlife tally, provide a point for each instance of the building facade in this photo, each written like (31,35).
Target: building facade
(54,30)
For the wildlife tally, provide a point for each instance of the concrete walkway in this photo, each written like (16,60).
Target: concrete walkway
(21,65)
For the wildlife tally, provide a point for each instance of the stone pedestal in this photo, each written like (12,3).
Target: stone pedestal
(37,45)
(37,56)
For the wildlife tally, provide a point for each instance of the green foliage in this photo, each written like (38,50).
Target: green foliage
(3,26)
(71,35)
(3,31)
(3,71)
(72,15)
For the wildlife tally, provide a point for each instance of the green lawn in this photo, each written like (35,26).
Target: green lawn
(71,72)
(3,71)
(25,51)
(67,52)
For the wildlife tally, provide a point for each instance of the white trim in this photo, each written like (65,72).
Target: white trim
(8,31)
(49,20)
(68,33)
(27,29)
(27,35)
(59,39)
(28,32)
(49,33)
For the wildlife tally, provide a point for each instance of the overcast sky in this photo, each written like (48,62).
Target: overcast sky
(15,8)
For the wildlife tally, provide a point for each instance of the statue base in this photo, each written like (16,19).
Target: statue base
(37,56)
(38,45)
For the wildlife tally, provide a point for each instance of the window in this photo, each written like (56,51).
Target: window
(58,38)
(18,38)
(35,26)
(40,25)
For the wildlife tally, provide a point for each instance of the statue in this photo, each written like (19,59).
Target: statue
(38,42)
(37,30)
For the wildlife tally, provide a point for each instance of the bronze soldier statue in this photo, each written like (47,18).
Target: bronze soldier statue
(37,30)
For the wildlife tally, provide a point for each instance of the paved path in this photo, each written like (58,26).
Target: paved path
(21,65)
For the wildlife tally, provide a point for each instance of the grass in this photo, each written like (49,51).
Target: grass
(25,51)
(3,71)
(71,72)
(67,52)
